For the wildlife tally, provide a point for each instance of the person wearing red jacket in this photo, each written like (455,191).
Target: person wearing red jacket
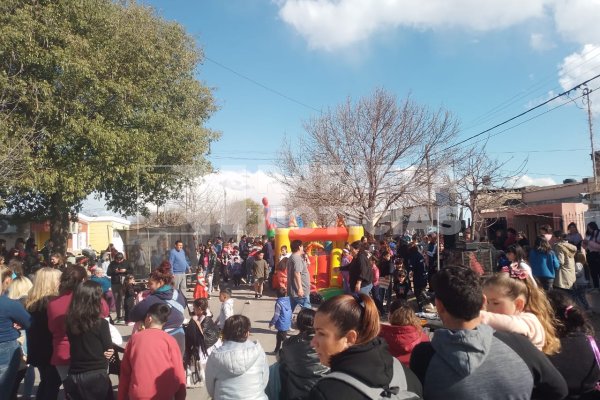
(152,367)
(404,331)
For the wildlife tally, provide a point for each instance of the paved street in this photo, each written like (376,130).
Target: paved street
(259,311)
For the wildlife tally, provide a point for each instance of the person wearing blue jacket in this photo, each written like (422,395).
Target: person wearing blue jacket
(11,312)
(161,288)
(543,262)
(282,318)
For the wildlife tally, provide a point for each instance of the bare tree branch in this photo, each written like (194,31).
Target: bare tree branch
(364,157)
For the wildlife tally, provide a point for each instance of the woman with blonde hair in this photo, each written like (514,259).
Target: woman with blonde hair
(39,339)
(19,290)
(12,313)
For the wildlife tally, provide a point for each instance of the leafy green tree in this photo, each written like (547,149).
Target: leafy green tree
(105,97)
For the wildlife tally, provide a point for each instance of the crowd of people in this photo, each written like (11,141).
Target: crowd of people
(520,332)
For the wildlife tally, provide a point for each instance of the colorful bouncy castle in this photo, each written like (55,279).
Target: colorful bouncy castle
(324,248)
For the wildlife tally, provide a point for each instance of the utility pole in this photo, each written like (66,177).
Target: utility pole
(586,93)
(224,209)
(594,191)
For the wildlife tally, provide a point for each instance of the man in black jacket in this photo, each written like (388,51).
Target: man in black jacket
(117,270)
(468,360)
(361,274)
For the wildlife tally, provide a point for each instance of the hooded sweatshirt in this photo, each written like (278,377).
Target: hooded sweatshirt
(165,294)
(370,363)
(481,364)
(466,365)
(402,340)
(237,371)
(565,276)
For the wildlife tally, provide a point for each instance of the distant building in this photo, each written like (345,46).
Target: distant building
(527,209)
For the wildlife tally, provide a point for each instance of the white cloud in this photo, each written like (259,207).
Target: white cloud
(526,180)
(579,67)
(240,184)
(332,24)
(335,24)
(540,42)
(577,20)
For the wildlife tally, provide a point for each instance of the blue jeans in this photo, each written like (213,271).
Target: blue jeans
(10,357)
(303,302)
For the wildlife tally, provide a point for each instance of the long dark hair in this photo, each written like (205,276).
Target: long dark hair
(85,308)
(570,318)
(517,251)
(71,278)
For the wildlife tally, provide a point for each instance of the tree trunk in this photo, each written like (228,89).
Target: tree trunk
(59,224)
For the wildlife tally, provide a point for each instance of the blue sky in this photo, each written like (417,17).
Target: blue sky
(469,56)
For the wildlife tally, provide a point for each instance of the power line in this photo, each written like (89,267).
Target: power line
(278,93)
(539,151)
(531,89)
(523,113)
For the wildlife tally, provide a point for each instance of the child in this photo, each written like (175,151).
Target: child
(404,332)
(344,269)
(375,289)
(401,281)
(280,276)
(515,305)
(202,336)
(200,291)
(576,361)
(128,297)
(516,256)
(104,281)
(260,269)
(226,306)
(151,366)
(236,271)
(581,281)
(282,318)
